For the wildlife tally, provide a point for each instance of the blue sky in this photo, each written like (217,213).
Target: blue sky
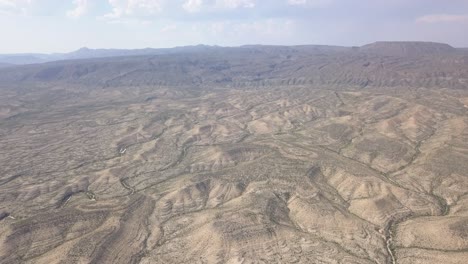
(66,25)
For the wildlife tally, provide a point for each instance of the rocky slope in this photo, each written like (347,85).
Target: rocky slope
(378,65)
(258,155)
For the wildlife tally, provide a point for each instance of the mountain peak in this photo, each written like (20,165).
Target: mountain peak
(82,50)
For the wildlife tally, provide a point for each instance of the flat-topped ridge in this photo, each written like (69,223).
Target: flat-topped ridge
(407,48)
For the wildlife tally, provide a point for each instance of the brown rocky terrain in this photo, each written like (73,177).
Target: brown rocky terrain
(257,154)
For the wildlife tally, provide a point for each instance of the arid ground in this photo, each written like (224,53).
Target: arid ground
(257,154)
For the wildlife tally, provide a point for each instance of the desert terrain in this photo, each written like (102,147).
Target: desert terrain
(255,154)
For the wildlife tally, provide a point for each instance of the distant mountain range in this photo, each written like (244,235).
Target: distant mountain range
(86,53)
(381,48)
(3,65)
(381,64)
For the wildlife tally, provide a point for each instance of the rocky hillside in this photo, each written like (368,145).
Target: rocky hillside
(257,154)
(391,64)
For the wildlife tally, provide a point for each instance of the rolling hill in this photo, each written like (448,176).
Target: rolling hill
(252,154)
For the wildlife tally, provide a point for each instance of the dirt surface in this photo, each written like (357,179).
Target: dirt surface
(148,168)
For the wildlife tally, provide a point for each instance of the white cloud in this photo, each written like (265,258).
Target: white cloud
(297,2)
(122,8)
(309,3)
(218,27)
(442,18)
(151,6)
(9,7)
(169,28)
(192,5)
(81,7)
(233,4)
(14,3)
(7,3)
(269,27)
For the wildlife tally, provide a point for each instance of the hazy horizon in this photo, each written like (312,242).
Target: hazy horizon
(214,45)
(53,26)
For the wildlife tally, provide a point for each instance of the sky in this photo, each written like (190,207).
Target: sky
(48,26)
